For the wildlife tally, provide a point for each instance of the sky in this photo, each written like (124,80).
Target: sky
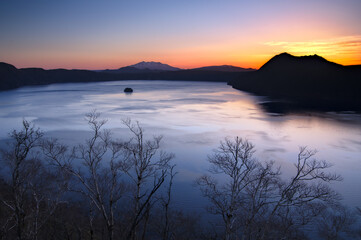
(79,34)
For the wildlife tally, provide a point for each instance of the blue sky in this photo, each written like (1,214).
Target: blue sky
(106,34)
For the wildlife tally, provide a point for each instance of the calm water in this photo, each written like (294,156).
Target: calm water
(193,117)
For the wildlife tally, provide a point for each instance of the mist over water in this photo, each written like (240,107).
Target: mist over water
(193,117)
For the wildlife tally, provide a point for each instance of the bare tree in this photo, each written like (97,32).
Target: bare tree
(308,170)
(35,189)
(234,160)
(18,158)
(170,222)
(46,188)
(304,196)
(256,201)
(166,201)
(258,194)
(146,171)
(99,178)
(337,222)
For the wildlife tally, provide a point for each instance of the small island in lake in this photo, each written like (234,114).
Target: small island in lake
(128,90)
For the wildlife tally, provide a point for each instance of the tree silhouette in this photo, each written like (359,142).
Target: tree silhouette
(99,180)
(253,200)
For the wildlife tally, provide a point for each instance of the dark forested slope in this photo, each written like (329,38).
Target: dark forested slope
(307,82)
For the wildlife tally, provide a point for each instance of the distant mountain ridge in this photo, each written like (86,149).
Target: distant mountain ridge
(12,77)
(293,83)
(224,68)
(145,67)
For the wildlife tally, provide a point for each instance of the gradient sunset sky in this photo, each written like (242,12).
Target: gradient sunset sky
(186,34)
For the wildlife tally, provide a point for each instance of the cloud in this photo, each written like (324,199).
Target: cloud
(344,47)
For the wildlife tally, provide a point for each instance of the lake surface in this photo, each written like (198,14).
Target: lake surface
(193,117)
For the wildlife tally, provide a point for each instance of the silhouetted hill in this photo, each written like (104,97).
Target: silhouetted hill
(11,77)
(307,82)
(354,67)
(287,62)
(6,67)
(224,68)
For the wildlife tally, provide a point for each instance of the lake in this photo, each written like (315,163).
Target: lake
(193,117)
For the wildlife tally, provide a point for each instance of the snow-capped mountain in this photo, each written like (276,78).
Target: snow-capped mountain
(154,66)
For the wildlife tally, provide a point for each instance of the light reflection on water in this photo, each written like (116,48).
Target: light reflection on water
(193,117)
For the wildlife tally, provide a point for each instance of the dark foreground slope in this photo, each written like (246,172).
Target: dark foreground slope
(304,83)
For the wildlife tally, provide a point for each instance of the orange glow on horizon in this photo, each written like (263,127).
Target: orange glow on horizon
(254,61)
(344,50)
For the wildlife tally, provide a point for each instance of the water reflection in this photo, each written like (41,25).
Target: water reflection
(193,117)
